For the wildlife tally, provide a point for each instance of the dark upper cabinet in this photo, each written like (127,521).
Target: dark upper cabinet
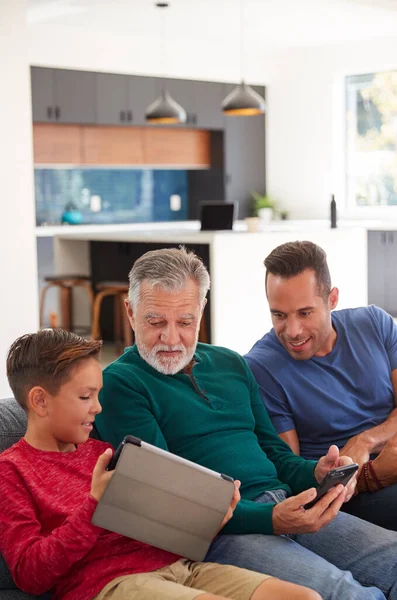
(43,103)
(141,93)
(74,96)
(244,157)
(123,99)
(63,96)
(111,99)
(182,91)
(208,97)
(201,99)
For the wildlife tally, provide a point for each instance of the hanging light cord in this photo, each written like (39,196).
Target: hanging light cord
(242,40)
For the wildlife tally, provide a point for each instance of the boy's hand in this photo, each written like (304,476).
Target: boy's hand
(233,503)
(101,477)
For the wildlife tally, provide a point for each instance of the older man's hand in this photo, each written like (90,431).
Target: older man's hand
(332,460)
(233,503)
(289,516)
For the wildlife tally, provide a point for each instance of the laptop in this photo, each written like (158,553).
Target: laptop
(217,216)
(161,499)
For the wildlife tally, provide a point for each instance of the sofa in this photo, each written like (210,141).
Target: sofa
(12,428)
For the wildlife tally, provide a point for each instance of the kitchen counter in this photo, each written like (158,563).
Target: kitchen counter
(191,229)
(239,311)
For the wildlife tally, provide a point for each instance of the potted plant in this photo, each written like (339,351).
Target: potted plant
(263,206)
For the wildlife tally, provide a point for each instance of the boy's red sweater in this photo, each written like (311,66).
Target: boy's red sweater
(46,534)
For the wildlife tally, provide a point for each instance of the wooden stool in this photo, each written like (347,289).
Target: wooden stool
(66,284)
(203,334)
(123,334)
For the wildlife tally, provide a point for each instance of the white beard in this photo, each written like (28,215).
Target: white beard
(170,365)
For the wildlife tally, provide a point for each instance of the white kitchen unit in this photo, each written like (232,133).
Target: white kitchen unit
(239,310)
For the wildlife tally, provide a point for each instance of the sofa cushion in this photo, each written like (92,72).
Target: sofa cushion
(12,423)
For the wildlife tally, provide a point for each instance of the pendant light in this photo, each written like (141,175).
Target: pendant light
(243,100)
(165,110)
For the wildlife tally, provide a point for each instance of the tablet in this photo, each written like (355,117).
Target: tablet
(164,500)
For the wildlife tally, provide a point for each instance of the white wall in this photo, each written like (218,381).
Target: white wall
(80,48)
(305,133)
(18,271)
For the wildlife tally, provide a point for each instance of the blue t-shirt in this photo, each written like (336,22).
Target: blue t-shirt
(329,399)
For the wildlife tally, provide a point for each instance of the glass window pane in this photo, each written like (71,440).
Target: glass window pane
(371,136)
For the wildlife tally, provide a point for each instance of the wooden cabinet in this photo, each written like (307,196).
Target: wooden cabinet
(57,144)
(107,145)
(63,96)
(244,155)
(382,270)
(112,145)
(177,147)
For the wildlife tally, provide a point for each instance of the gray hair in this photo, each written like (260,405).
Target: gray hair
(170,269)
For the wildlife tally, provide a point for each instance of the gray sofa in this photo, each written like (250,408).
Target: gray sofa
(12,428)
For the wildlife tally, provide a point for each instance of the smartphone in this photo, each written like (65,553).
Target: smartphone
(129,439)
(339,475)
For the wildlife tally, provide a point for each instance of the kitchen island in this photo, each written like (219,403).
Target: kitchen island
(239,313)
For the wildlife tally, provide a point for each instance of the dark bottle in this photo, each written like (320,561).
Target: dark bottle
(333,212)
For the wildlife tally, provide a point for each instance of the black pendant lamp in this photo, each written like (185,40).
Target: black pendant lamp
(243,101)
(165,110)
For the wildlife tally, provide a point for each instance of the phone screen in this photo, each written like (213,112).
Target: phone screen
(339,475)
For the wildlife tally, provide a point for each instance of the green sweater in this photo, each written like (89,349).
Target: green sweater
(214,417)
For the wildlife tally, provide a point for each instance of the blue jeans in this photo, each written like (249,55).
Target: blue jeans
(376,507)
(337,561)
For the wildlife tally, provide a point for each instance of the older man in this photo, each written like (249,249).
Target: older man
(202,402)
(330,377)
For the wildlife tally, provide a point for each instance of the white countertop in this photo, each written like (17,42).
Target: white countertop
(189,231)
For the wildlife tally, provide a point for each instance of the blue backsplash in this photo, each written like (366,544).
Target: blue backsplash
(125,195)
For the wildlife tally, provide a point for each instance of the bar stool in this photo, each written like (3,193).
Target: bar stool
(66,284)
(123,334)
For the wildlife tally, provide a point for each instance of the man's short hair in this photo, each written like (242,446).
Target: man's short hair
(293,258)
(169,269)
(46,359)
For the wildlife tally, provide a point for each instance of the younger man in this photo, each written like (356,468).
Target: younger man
(52,479)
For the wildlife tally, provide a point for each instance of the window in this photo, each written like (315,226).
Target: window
(371,137)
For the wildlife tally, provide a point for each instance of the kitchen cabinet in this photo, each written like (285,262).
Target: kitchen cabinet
(182,91)
(124,146)
(176,147)
(43,102)
(57,144)
(382,270)
(244,157)
(123,99)
(112,145)
(63,96)
(208,98)
(201,100)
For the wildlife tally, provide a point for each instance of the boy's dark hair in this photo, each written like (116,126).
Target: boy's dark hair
(46,359)
(292,258)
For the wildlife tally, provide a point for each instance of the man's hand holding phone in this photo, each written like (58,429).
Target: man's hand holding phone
(311,510)
(290,515)
(333,460)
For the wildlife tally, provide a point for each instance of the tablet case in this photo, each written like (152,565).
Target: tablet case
(164,500)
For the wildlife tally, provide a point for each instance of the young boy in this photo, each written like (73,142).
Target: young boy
(53,478)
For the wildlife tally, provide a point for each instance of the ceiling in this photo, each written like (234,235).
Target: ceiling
(269,24)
